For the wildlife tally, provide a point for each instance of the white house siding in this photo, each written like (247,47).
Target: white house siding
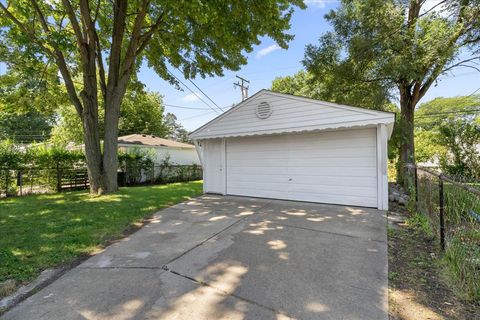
(330,167)
(178,156)
(290,114)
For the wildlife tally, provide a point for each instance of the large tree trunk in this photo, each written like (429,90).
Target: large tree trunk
(93,154)
(405,172)
(110,143)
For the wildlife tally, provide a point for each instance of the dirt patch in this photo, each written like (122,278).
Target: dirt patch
(416,287)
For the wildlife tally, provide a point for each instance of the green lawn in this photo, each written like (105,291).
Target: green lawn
(41,231)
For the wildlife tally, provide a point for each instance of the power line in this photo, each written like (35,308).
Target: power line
(197,116)
(193,92)
(426,115)
(183,107)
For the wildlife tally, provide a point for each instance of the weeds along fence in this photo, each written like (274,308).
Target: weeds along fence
(35,180)
(453,212)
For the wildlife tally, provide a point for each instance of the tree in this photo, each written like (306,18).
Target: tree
(25,127)
(105,42)
(175,130)
(448,129)
(334,87)
(141,112)
(402,45)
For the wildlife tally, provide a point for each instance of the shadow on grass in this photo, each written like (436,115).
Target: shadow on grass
(41,231)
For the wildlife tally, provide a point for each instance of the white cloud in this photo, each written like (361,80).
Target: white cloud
(265,51)
(190,97)
(315,3)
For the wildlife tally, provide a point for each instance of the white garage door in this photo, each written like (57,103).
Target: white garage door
(337,167)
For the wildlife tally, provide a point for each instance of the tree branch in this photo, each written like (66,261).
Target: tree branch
(432,8)
(75,25)
(56,54)
(460,63)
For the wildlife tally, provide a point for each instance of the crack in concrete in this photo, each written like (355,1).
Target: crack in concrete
(328,232)
(223,292)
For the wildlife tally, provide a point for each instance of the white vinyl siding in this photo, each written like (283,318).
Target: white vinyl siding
(305,114)
(330,167)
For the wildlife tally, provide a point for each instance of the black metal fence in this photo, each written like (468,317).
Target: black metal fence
(19,182)
(453,211)
(450,206)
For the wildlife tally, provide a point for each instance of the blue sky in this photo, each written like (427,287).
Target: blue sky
(264,66)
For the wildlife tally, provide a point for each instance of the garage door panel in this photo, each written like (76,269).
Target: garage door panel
(327,171)
(306,154)
(308,188)
(331,167)
(305,146)
(308,179)
(308,162)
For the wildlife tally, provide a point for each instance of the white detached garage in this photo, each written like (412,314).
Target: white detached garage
(280,146)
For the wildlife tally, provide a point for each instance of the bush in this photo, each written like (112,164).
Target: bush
(137,165)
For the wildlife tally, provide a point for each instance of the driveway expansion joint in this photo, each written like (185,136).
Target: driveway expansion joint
(328,232)
(225,293)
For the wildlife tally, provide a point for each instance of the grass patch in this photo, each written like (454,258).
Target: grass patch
(42,231)
(462,264)
(420,223)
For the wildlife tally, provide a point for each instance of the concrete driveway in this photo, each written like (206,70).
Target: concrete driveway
(231,258)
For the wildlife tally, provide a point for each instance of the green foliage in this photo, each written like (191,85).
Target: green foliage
(384,42)
(175,130)
(141,112)
(135,163)
(333,87)
(25,127)
(51,156)
(30,87)
(10,155)
(462,260)
(449,131)
(461,139)
(420,222)
(43,231)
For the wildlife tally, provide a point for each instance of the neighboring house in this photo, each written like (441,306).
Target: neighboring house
(281,146)
(179,153)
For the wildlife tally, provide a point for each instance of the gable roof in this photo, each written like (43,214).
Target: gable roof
(290,113)
(152,141)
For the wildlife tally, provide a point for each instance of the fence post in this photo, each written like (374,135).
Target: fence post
(59,179)
(441,211)
(416,185)
(20,181)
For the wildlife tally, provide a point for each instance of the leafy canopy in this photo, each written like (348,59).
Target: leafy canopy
(397,44)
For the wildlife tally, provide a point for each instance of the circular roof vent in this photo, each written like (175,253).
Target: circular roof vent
(264,110)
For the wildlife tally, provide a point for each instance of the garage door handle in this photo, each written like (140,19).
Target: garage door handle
(289,179)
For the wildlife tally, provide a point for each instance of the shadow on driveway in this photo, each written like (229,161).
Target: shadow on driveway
(220,257)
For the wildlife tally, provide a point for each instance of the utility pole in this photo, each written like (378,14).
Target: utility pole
(242,86)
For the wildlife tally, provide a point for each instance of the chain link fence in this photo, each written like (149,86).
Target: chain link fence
(453,212)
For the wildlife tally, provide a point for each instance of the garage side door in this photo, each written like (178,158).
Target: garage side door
(336,167)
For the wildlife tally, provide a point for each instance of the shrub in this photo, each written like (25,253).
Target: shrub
(137,164)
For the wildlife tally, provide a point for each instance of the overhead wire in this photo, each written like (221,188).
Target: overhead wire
(193,92)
